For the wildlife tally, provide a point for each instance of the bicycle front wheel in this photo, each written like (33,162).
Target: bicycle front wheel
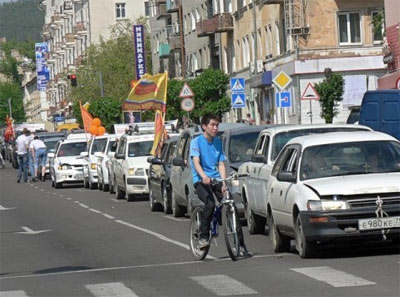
(231,237)
(194,235)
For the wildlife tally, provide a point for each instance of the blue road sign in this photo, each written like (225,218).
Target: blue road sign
(238,100)
(237,85)
(283,99)
(59,119)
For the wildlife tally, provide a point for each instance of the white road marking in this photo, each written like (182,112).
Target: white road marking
(48,192)
(94,210)
(223,285)
(158,235)
(6,208)
(108,216)
(54,193)
(111,290)
(61,195)
(117,200)
(36,187)
(13,294)
(42,190)
(176,219)
(83,205)
(31,232)
(80,190)
(69,198)
(333,277)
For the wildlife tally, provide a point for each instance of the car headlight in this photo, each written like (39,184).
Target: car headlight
(64,167)
(136,171)
(93,166)
(327,205)
(131,171)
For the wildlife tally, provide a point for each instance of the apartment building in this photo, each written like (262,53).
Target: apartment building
(71,26)
(391,50)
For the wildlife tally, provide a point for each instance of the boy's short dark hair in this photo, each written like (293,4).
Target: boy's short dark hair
(205,120)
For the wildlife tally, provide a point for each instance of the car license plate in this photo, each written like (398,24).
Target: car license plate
(379,223)
(79,175)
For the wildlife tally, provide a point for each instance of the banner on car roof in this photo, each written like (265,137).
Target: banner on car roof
(150,93)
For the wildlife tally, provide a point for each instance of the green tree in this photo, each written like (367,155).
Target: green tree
(330,91)
(13,91)
(108,110)
(209,90)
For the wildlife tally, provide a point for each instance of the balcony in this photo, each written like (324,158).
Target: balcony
(162,12)
(219,23)
(80,29)
(175,42)
(173,5)
(69,39)
(164,50)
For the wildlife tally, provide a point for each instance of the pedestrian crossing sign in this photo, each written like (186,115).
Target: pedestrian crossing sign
(238,100)
(237,85)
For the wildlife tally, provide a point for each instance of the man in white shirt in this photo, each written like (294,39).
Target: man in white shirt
(22,152)
(39,154)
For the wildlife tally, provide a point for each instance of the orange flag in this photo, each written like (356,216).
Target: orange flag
(158,133)
(86,118)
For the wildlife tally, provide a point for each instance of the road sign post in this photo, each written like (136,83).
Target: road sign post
(310,93)
(238,96)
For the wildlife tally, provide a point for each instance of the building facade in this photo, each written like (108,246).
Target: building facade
(71,26)
(257,39)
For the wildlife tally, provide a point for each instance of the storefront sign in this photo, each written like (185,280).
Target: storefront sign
(140,50)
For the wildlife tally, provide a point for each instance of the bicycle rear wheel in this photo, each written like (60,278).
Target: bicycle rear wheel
(194,235)
(231,237)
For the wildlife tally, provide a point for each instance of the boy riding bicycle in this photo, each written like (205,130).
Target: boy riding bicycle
(207,162)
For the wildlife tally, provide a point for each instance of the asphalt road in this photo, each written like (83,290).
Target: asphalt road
(94,245)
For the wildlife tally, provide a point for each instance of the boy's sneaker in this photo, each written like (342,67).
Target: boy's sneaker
(203,243)
(243,252)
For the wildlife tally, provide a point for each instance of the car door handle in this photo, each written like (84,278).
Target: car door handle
(281,193)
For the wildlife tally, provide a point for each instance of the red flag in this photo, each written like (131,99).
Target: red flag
(86,118)
(9,130)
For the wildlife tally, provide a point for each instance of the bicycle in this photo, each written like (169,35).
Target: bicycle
(224,209)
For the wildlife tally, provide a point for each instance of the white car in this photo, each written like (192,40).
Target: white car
(66,165)
(334,187)
(102,159)
(96,144)
(257,172)
(130,166)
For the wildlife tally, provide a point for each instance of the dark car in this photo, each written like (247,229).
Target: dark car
(238,144)
(159,177)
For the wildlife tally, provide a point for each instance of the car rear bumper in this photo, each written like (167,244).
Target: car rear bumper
(341,225)
(72,175)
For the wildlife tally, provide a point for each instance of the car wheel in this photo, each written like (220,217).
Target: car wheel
(305,248)
(118,193)
(166,201)
(57,185)
(52,181)
(154,206)
(85,183)
(255,223)
(92,186)
(176,208)
(111,188)
(104,186)
(99,185)
(280,243)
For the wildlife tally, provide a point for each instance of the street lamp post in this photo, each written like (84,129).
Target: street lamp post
(9,105)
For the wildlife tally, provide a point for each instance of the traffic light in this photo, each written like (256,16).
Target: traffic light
(72,78)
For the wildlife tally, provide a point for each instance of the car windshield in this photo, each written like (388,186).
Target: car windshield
(281,139)
(140,149)
(241,147)
(111,147)
(338,159)
(71,149)
(99,145)
(51,145)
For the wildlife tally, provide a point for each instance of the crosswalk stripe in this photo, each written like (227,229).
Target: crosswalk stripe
(110,290)
(223,285)
(19,293)
(333,277)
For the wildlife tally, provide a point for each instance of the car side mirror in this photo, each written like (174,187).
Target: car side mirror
(119,156)
(84,154)
(111,154)
(98,154)
(258,159)
(51,155)
(178,162)
(157,161)
(285,176)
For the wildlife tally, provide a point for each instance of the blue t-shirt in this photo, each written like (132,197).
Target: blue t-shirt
(210,154)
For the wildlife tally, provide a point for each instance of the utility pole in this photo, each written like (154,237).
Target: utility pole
(255,52)
(180,16)
(9,105)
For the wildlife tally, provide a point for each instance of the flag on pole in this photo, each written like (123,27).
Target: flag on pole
(158,133)
(86,118)
(9,130)
(149,93)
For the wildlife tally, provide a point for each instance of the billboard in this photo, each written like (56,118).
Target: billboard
(140,50)
(42,72)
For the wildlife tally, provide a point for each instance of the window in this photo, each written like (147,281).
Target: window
(349,28)
(146,8)
(192,21)
(268,39)
(120,10)
(377,24)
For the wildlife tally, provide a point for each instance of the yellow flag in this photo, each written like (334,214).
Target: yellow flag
(149,93)
(158,133)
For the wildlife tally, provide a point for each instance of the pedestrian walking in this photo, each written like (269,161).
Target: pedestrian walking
(22,153)
(31,162)
(39,153)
